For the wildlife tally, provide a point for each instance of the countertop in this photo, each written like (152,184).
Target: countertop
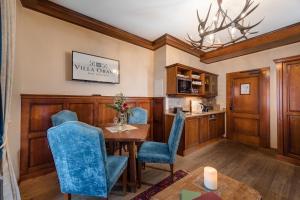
(198,114)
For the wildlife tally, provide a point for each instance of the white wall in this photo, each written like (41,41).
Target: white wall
(253,61)
(43,64)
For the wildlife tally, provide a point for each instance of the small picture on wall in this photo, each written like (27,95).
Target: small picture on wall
(245,88)
(86,67)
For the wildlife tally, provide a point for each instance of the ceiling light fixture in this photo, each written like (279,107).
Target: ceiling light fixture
(236,28)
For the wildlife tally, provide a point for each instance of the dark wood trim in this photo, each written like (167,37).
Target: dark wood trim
(280,37)
(288,159)
(167,39)
(65,14)
(283,36)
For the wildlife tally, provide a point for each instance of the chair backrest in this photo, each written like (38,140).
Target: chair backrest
(138,116)
(63,116)
(175,134)
(80,158)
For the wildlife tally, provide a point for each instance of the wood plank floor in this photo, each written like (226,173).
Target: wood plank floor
(258,168)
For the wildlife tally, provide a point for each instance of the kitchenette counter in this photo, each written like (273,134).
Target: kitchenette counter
(199,129)
(188,115)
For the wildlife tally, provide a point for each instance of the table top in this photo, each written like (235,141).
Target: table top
(228,188)
(139,134)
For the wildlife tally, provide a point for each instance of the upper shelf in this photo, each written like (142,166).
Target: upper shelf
(184,80)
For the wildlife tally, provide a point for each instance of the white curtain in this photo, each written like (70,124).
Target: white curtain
(8,29)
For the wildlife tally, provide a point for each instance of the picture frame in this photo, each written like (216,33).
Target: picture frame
(245,89)
(92,68)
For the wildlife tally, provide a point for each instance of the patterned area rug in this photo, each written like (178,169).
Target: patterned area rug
(160,186)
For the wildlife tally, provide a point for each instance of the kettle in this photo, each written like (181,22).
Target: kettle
(203,107)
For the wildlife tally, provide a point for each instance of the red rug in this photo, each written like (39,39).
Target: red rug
(160,186)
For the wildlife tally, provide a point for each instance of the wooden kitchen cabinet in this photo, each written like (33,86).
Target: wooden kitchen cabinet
(184,80)
(197,131)
(192,132)
(203,129)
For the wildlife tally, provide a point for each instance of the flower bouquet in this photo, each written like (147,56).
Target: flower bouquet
(121,107)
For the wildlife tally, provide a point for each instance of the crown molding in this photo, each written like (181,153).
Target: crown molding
(65,14)
(68,15)
(167,39)
(280,37)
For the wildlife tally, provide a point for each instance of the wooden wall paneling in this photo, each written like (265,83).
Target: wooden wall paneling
(36,111)
(265,107)
(279,108)
(84,111)
(158,119)
(35,120)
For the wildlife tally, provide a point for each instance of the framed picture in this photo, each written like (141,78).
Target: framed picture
(86,67)
(245,88)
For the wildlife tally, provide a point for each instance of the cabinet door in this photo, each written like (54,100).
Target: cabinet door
(213,129)
(192,132)
(213,88)
(203,129)
(220,124)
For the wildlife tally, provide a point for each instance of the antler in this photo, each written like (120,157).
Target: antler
(222,22)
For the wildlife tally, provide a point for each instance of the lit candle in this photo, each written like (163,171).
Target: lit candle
(210,178)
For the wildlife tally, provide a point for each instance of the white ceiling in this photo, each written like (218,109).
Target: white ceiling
(151,19)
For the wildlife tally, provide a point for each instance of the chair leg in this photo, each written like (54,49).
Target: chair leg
(120,148)
(172,171)
(124,181)
(139,173)
(67,196)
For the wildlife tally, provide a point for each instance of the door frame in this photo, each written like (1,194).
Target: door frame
(264,104)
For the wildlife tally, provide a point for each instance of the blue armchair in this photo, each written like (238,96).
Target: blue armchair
(156,152)
(138,116)
(81,162)
(63,116)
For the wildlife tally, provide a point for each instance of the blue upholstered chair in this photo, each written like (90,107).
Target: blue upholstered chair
(81,162)
(63,116)
(138,116)
(156,152)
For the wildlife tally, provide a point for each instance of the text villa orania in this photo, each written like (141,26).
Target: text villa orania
(94,67)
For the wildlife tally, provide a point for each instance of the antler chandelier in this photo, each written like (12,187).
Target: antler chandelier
(235,27)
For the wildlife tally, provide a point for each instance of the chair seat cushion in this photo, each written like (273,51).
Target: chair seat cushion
(154,152)
(115,167)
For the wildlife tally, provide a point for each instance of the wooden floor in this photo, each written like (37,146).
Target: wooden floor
(258,168)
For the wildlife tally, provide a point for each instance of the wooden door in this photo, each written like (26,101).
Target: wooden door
(248,107)
(291,108)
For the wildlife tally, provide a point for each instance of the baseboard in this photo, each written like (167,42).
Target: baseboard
(293,161)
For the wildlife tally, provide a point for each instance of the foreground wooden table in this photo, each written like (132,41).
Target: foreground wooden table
(228,188)
(131,138)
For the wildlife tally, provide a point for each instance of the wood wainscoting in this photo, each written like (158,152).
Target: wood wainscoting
(36,110)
